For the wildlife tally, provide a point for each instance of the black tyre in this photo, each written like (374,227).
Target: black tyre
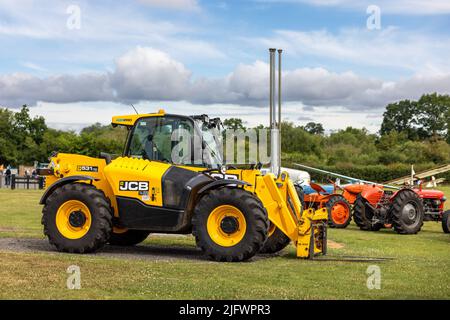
(446,221)
(301,196)
(407,212)
(128,237)
(276,241)
(230,224)
(363,215)
(77,218)
(339,212)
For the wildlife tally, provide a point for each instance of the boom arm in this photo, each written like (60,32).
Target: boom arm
(306,228)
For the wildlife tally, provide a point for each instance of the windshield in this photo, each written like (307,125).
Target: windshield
(154,138)
(212,138)
(175,140)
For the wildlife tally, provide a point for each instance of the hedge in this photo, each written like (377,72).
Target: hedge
(376,173)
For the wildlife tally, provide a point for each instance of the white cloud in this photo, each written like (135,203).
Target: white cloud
(149,74)
(173,4)
(19,88)
(419,7)
(102,31)
(146,74)
(85,114)
(33,66)
(390,47)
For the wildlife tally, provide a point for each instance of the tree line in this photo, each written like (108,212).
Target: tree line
(412,132)
(25,139)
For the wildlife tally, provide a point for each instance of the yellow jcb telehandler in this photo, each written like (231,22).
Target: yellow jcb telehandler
(233,213)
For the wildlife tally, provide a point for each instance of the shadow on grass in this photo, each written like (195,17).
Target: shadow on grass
(151,252)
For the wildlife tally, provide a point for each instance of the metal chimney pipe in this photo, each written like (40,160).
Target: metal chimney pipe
(274,132)
(271,85)
(279,110)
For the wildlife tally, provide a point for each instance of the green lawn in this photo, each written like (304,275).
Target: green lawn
(420,268)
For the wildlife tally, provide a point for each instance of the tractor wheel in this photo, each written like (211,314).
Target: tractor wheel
(363,215)
(230,224)
(301,196)
(126,237)
(77,218)
(276,240)
(446,221)
(339,212)
(407,212)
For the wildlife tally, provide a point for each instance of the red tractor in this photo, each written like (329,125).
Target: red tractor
(404,210)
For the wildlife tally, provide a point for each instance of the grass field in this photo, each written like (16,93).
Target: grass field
(419,269)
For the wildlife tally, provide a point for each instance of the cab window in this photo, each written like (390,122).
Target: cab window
(154,138)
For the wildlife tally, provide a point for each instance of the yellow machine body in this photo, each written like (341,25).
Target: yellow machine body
(278,195)
(129,181)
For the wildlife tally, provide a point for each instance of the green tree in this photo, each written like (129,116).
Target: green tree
(234,124)
(401,117)
(433,114)
(314,128)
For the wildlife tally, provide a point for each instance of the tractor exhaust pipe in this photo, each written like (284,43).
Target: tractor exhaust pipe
(275,138)
(279,111)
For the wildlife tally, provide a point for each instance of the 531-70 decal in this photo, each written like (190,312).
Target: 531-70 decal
(87,168)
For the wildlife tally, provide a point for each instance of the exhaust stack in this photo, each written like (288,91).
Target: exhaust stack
(275,126)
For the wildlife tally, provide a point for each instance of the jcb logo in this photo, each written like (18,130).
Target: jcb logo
(133,186)
(226,176)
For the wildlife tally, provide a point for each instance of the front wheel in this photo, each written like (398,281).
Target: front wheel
(446,222)
(77,218)
(230,224)
(339,212)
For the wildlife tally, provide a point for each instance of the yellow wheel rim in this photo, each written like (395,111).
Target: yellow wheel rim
(226,225)
(118,230)
(272,229)
(73,219)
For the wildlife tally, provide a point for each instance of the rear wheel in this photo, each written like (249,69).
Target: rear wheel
(339,212)
(301,196)
(276,241)
(127,237)
(446,222)
(230,224)
(77,218)
(407,212)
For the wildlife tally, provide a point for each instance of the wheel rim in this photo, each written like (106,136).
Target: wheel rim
(73,219)
(118,230)
(272,229)
(226,225)
(409,213)
(340,213)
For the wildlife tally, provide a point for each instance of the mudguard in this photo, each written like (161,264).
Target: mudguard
(221,183)
(62,182)
(372,194)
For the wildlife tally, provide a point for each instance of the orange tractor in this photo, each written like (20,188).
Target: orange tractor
(377,206)
(338,204)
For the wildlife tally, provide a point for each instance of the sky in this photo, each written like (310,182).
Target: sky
(81,62)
